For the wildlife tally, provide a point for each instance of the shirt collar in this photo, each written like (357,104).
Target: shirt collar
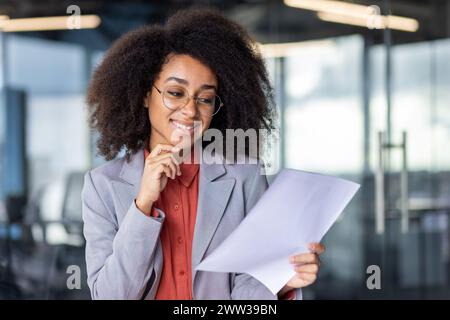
(188,173)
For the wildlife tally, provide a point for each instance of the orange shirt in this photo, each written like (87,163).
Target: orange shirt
(178,201)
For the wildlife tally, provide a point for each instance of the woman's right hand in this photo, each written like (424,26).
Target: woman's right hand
(160,165)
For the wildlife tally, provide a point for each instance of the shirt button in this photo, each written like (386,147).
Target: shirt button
(181,273)
(176,206)
(180,240)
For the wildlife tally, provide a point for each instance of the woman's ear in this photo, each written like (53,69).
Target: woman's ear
(147,99)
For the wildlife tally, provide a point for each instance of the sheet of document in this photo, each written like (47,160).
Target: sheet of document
(298,208)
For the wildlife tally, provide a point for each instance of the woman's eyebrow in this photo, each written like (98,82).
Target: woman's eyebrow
(208,86)
(182,81)
(185,82)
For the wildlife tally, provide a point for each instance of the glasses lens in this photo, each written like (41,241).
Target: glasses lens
(209,104)
(175,97)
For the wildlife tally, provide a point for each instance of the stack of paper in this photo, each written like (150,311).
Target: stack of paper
(298,208)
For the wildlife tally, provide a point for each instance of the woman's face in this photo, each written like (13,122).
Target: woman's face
(181,76)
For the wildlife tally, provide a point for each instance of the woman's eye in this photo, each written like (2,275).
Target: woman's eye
(208,101)
(175,94)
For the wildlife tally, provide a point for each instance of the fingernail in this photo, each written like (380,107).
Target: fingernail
(291,259)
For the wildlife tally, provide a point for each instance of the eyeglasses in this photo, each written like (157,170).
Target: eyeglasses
(176,98)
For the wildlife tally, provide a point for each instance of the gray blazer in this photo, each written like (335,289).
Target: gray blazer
(123,249)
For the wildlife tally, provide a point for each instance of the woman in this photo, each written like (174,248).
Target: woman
(151,216)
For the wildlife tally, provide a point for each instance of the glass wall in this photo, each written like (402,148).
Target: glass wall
(52,77)
(323,114)
(337,95)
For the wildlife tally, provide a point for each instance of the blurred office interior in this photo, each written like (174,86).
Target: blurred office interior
(363,92)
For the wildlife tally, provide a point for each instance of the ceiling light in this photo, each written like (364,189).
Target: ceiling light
(48,23)
(355,14)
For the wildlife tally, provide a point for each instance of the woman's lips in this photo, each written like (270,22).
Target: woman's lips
(185,127)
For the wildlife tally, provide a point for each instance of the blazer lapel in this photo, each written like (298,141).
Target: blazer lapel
(212,201)
(127,186)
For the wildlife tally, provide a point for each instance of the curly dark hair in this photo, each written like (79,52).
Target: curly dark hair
(120,83)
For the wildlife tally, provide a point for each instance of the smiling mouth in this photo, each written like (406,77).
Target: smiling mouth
(184,127)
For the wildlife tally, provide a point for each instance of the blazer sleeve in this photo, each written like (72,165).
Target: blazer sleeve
(246,287)
(120,261)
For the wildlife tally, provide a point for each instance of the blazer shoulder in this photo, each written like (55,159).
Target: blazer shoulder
(109,170)
(96,193)
(98,180)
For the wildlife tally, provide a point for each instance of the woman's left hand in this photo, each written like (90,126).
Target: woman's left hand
(306,266)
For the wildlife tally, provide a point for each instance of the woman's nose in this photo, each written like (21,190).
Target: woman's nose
(190,110)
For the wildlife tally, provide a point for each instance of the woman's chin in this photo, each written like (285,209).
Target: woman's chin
(182,138)
(183,143)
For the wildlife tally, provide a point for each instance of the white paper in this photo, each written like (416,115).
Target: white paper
(298,208)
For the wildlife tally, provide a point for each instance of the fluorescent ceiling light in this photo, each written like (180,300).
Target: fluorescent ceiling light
(330,6)
(48,23)
(383,22)
(355,14)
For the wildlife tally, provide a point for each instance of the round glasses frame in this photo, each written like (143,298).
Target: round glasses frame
(189,97)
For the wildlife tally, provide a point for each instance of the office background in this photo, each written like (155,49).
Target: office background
(363,91)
